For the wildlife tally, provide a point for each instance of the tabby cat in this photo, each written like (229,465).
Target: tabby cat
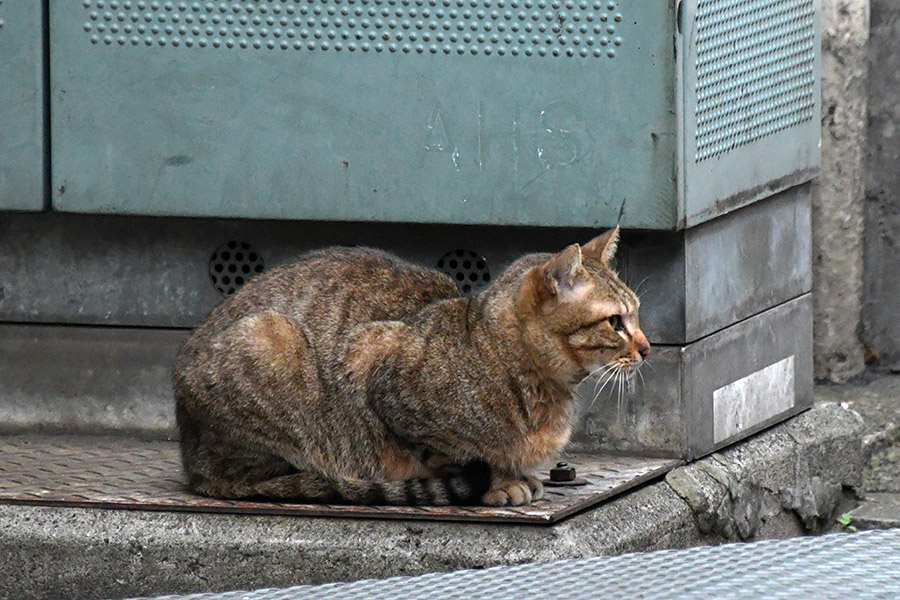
(352,376)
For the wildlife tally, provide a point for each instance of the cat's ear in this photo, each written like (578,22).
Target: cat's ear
(563,273)
(603,247)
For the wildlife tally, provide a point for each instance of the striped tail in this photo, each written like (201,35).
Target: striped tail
(463,488)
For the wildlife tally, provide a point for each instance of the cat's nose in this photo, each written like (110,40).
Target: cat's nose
(644,350)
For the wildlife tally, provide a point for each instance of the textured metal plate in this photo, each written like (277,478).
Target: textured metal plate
(862,566)
(751,110)
(123,473)
(21,105)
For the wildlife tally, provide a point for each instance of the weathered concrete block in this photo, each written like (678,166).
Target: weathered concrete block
(787,481)
(838,194)
(882,286)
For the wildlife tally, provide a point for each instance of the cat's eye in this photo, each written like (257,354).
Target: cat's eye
(616,322)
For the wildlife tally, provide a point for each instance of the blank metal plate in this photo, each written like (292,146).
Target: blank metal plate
(124,473)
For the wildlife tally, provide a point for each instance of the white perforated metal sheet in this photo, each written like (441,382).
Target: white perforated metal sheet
(860,566)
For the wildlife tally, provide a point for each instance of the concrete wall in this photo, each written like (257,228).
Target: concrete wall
(881,306)
(839,192)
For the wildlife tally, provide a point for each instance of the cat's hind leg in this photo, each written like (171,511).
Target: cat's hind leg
(261,387)
(246,405)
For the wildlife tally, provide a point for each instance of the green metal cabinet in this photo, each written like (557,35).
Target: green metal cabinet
(652,113)
(21,105)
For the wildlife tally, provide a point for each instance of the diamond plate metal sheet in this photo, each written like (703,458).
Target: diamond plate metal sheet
(863,566)
(123,473)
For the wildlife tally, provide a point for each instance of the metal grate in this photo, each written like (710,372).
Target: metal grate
(755,70)
(232,265)
(468,269)
(863,566)
(123,473)
(585,28)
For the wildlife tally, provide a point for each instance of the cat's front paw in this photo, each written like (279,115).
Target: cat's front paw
(514,492)
(536,487)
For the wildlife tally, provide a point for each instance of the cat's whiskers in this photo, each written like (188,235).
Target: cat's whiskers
(604,379)
(638,371)
(637,290)
(608,376)
(608,368)
(620,401)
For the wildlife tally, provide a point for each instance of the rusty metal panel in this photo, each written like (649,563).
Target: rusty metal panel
(126,473)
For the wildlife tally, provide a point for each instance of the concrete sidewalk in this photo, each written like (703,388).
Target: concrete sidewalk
(877,399)
(790,480)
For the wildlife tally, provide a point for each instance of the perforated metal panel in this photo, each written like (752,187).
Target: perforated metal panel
(513,112)
(21,105)
(585,28)
(751,84)
(755,71)
(450,111)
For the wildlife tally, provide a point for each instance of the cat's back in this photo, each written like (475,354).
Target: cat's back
(334,289)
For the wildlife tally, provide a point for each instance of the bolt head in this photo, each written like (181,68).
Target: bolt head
(562,472)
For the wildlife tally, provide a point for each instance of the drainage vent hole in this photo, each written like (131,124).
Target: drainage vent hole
(232,265)
(467,268)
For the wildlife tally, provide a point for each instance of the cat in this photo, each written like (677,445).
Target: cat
(353,376)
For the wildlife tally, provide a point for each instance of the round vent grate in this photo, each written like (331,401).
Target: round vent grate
(232,264)
(468,269)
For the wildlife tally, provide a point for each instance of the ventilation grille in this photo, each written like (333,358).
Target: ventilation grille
(755,70)
(468,269)
(232,265)
(564,28)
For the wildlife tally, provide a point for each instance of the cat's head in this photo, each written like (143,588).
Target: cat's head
(579,316)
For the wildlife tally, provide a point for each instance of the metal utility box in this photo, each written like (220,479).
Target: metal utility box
(726,305)
(21,105)
(456,133)
(657,114)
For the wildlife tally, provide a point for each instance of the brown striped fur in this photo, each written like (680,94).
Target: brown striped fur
(354,376)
